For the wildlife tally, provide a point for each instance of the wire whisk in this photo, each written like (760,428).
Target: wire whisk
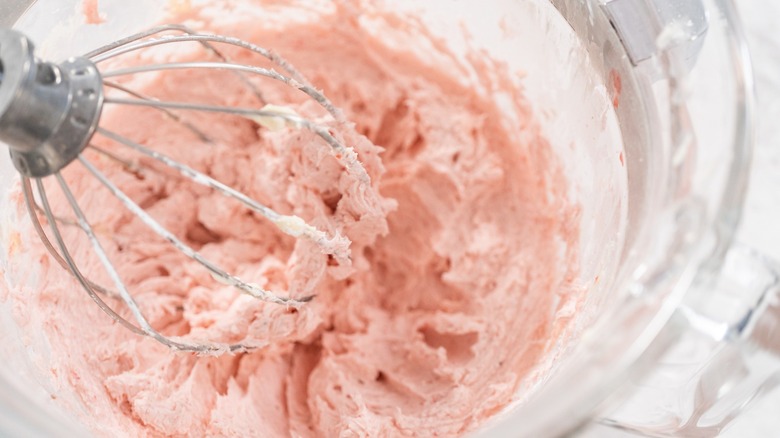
(49,116)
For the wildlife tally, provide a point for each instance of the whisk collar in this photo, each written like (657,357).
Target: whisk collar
(48,112)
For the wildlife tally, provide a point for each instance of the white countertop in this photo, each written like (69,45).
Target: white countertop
(761,223)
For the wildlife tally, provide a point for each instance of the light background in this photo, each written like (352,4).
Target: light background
(761,223)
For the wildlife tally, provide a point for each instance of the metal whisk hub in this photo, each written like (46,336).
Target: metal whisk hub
(48,112)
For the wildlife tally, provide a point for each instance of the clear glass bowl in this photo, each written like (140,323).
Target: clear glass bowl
(663,145)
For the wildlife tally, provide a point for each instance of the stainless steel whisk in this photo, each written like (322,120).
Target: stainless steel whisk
(49,114)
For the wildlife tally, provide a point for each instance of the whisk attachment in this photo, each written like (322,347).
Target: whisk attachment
(49,116)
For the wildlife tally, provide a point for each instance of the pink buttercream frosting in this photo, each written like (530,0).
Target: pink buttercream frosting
(461,247)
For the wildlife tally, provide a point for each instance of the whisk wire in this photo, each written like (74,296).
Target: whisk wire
(298,80)
(33,209)
(347,156)
(179,28)
(65,259)
(126,164)
(71,264)
(59,219)
(170,114)
(124,293)
(269,73)
(99,251)
(161,231)
(318,237)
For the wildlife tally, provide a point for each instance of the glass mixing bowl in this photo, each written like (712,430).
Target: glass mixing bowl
(648,103)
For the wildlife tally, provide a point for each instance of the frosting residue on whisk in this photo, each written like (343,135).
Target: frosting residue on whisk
(297,227)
